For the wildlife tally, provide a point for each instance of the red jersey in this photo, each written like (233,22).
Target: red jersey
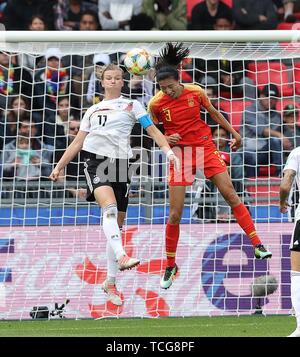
(182,115)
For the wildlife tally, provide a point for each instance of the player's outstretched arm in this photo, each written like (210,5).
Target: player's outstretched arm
(161,141)
(285,188)
(72,150)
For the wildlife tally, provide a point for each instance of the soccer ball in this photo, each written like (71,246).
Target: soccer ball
(138,61)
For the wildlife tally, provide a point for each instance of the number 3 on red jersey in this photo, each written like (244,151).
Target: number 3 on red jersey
(167,114)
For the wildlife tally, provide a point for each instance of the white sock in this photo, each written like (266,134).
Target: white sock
(112,231)
(295,294)
(112,265)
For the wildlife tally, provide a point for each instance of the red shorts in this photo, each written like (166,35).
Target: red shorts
(192,158)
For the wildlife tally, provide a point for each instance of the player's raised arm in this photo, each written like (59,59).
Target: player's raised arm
(219,118)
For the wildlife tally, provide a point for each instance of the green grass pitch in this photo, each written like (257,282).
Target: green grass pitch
(243,326)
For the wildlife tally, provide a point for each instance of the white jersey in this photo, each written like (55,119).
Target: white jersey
(109,125)
(293,163)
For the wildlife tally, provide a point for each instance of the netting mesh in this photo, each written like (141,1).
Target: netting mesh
(205,50)
(51,243)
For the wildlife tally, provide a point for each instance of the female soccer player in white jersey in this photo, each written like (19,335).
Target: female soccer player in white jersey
(291,172)
(105,135)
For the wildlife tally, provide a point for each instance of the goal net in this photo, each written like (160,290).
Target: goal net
(52,247)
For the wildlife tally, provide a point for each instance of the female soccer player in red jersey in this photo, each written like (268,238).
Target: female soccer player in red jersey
(178,106)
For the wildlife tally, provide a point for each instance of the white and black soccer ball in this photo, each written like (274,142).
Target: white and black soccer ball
(138,61)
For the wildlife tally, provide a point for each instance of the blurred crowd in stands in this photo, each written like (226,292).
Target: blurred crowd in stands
(149,14)
(43,98)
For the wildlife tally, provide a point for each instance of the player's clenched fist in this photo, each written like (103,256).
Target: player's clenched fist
(54,175)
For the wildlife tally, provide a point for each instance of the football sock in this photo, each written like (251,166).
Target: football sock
(172,237)
(112,231)
(112,264)
(295,294)
(244,219)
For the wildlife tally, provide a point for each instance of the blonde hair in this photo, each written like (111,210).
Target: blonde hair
(111,67)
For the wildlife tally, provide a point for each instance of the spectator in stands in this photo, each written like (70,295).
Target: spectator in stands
(18,13)
(68,14)
(20,162)
(37,23)
(32,160)
(212,94)
(81,66)
(64,115)
(166,14)
(254,14)
(279,8)
(26,158)
(19,110)
(13,79)
(291,130)
(263,140)
(62,122)
(224,22)
(89,21)
(9,122)
(116,14)
(74,171)
(95,90)
(50,83)
(30,61)
(29,129)
(205,13)
(141,22)
(208,81)
(231,75)
(289,8)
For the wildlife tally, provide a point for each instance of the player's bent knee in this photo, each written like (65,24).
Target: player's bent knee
(110,211)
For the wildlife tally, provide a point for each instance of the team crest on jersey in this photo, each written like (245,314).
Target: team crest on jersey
(191,101)
(96,180)
(129,107)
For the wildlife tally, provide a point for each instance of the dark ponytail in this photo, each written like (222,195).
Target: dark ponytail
(170,57)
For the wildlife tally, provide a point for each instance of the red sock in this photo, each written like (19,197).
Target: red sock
(244,219)
(172,237)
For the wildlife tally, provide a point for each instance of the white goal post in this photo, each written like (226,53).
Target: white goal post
(52,247)
(153,36)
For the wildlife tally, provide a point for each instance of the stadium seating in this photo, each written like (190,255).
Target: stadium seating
(285,26)
(297,15)
(235,109)
(297,77)
(264,190)
(263,73)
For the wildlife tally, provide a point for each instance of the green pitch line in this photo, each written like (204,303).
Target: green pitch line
(162,327)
